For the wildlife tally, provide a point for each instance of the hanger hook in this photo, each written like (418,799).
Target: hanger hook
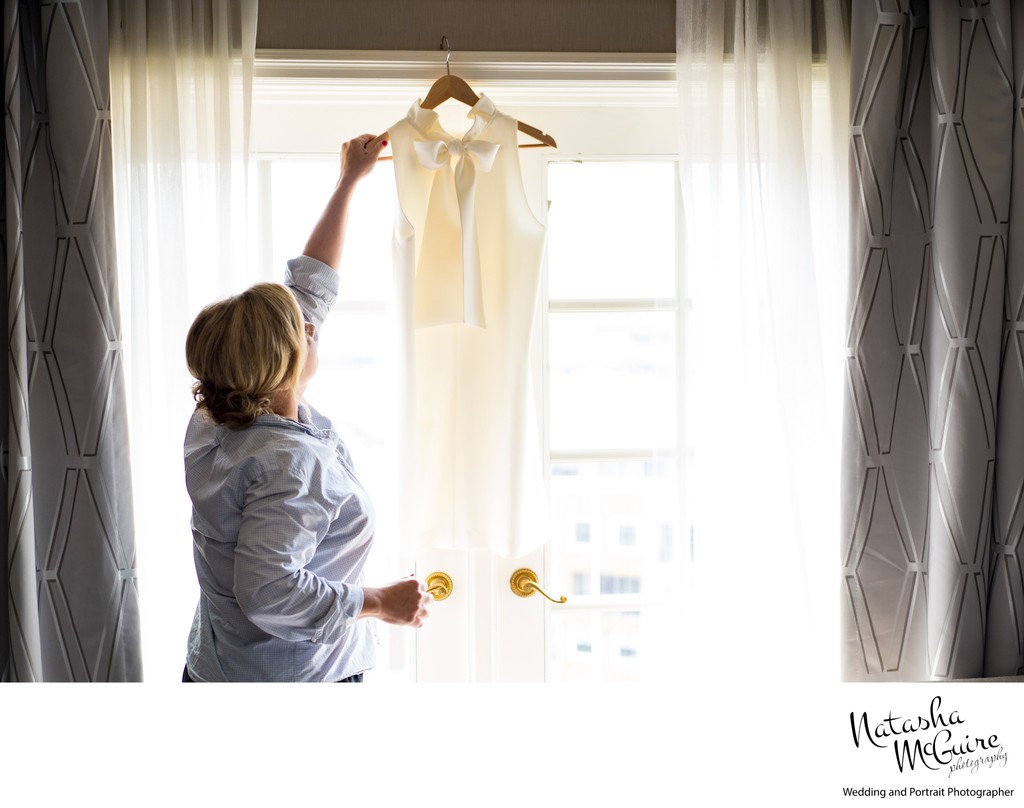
(447,59)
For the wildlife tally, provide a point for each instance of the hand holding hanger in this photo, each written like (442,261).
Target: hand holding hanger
(359,156)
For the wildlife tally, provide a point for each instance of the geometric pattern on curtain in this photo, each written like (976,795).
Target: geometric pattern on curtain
(933,454)
(71,611)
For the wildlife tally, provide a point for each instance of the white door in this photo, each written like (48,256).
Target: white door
(607,360)
(481,632)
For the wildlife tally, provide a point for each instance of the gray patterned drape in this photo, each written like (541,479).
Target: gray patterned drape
(933,489)
(70,611)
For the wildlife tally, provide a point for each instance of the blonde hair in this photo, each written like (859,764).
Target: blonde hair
(242,350)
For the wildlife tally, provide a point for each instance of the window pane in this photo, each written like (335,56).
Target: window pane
(636,499)
(301,188)
(613,380)
(597,646)
(353,385)
(611,230)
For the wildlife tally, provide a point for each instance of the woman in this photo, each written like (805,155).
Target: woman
(281,526)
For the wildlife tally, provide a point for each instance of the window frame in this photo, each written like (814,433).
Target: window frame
(680,455)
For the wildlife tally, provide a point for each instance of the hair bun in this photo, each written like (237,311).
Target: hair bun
(233,408)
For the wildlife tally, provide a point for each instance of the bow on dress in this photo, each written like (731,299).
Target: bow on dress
(446,292)
(436,154)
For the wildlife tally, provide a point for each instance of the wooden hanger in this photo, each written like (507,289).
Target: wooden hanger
(449,86)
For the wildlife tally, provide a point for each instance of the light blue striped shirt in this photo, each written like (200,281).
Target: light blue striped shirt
(281,530)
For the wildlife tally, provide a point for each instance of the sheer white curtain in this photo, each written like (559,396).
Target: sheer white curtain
(764,109)
(181,84)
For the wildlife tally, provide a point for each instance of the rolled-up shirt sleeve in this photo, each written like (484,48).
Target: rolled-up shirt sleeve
(315,285)
(277,538)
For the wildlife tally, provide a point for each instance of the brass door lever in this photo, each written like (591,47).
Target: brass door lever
(439,584)
(524,584)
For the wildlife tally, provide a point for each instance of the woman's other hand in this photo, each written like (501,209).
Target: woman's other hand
(403,603)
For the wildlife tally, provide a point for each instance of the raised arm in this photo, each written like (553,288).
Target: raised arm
(328,237)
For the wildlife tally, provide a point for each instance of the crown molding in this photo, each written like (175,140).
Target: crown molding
(563,79)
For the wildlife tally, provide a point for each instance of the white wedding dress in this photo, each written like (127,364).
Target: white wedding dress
(468,253)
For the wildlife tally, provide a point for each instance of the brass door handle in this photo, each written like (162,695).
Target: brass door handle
(524,584)
(439,584)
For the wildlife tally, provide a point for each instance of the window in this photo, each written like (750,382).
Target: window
(619,585)
(666,535)
(608,329)
(614,353)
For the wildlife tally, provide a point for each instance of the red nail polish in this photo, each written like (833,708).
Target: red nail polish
(383,143)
